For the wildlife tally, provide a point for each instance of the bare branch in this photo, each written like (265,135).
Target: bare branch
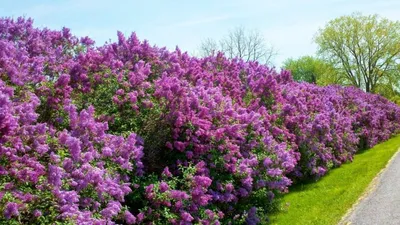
(242,44)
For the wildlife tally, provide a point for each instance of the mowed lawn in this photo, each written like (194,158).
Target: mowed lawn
(328,199)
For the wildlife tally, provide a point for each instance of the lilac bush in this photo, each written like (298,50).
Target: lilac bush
(129,133)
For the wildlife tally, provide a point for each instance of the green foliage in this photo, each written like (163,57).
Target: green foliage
(366,49)
(313,70)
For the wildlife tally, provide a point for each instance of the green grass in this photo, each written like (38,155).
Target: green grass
(327,200)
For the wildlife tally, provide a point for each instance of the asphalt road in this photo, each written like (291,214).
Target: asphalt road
(382,205)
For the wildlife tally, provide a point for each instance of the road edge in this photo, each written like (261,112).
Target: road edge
(370,188)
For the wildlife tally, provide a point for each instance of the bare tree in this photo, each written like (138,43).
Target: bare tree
(208,47)
(240,43)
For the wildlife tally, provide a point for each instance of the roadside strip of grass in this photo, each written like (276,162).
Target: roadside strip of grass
(327,200)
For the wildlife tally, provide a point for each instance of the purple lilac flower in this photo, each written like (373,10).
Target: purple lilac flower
(129,218)
(10,210)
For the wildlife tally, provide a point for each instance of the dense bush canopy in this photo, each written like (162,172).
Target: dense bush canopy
(128,133)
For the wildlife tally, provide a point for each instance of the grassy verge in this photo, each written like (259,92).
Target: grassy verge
(327,200)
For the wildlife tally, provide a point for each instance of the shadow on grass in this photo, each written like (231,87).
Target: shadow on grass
(325,200)
(309,183)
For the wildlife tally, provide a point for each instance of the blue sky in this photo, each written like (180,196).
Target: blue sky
(288,25)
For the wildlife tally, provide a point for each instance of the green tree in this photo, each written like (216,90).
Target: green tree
(365,48)
(313,70)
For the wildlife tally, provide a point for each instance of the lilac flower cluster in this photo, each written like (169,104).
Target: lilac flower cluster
(129,133)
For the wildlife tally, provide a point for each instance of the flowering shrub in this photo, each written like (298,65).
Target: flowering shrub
(129,133)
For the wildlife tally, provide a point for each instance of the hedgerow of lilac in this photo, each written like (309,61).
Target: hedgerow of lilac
(129,133)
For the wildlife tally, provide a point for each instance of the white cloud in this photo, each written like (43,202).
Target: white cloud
(199,21)
(56,8)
